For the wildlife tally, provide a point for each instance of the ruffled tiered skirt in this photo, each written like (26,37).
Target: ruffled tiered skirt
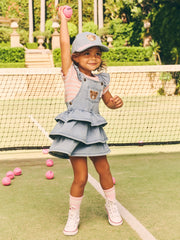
(79,133)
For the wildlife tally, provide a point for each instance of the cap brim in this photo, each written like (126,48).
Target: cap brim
(102,47)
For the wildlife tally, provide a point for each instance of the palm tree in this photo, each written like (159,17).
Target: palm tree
(80,15)
(42,23)
(30,22)
(156,50)
(95,12)
(100,14)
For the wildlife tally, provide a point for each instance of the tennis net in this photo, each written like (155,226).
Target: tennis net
(30,99)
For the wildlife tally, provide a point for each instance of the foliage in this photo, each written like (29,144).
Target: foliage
(50,9)
(38,33)
(124,32)
(18,9)
(145,8)
(24,35)
(118,9)
(8,55)
(36,8)
(156,50)
(56,56)
(15,9)
(121,55)
(90,27)
(5,44)
(165,76)
(33,45)
(12,65)
(3,7)
(126,17)
(166,30)
(5,34)
(128,54)
(72,28)
(48,26)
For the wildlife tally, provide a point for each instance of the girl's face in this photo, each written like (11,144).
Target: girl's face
(89,60)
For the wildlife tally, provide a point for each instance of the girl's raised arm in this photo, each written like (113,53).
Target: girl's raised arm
(64,42)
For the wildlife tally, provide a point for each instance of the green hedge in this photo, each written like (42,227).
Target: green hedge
(128,54)
(33,45)
(116,55)
(57,56)
(10,55)
(12,65)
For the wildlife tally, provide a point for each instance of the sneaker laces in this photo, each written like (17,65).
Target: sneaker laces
(112,209)
(73,218)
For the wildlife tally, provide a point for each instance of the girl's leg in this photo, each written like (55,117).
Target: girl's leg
(79,165)
(80,169)
(102,167)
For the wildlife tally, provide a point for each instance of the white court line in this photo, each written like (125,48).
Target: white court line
(39,126)
(143,233)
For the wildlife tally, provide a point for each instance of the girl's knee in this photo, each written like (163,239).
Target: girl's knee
(81,180)
(102,166)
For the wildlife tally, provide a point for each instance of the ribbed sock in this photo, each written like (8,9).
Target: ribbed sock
(75,202)
(110,194)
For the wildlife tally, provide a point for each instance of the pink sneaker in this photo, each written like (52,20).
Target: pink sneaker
(72,224)
(114,216)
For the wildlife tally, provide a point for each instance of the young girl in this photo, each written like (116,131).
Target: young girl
(79,131)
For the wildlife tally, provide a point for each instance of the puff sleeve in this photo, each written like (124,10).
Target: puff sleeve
(105,78)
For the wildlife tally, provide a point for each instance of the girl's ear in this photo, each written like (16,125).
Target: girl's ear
(75,58)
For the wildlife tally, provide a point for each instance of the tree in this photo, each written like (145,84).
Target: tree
(166,29)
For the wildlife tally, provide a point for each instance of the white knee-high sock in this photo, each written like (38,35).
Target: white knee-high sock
(110,194)
(75,202)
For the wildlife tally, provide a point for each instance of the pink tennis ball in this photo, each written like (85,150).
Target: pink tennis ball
(141,143)
(49,163)
(10,174)
(49,175)
(6,181)
(114,180)
(45,151)
(68,12)
(17,171)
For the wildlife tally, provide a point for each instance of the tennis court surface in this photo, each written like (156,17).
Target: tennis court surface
(145,164)
(147,186)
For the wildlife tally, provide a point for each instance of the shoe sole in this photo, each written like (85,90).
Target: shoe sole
(71,233)
(114,223)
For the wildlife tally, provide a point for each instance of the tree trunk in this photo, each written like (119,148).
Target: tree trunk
(95,13)
(31,39)
(100,14)
(42,24)
(80,15)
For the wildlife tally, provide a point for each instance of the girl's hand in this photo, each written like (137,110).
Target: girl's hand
(61,13)
(112,102)
(116,102)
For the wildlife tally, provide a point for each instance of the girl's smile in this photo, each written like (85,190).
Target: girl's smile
(89,60)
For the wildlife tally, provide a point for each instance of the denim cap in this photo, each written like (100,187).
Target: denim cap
(87,40)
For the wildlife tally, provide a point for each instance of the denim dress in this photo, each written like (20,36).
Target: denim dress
(79,130)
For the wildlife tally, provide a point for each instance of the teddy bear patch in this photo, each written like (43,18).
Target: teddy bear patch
(91,37)
(93,94)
